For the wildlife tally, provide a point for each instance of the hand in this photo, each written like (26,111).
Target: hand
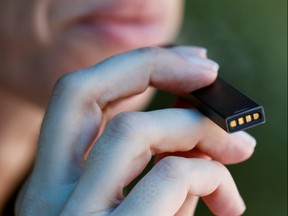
(65,182)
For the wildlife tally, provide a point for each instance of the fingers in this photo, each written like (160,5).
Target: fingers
(129,141)
(74,114)
(74,117)
(164,189)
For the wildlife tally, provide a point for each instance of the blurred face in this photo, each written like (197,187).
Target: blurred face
(40,40)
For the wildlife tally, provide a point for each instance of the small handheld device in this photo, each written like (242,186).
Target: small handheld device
(226,106)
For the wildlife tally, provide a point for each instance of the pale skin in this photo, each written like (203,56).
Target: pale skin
(89,149)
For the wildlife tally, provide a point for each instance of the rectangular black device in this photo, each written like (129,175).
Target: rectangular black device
(226,106)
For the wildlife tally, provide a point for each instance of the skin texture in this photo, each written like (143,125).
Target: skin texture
(92,142)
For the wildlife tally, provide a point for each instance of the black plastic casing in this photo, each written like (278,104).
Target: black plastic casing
(223,103)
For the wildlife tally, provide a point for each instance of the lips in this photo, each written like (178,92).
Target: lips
(131,24)
(119,29)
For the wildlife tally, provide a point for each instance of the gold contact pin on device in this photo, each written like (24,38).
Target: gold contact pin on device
(256,116)
(233,123)
(248,118)
(241,121)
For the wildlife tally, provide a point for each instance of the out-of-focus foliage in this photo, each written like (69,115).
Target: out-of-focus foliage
(249,40)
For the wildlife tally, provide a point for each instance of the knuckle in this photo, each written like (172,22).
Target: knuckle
(61,85)
(126,124)
(68,84)
(221,168)
(171,168)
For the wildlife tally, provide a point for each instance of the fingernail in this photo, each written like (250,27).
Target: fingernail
(202,62)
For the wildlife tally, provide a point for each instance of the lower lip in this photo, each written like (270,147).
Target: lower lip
(126,33)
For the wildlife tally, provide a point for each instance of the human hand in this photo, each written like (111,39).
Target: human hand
(64,182)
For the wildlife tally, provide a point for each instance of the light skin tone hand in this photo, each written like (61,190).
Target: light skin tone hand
(66,182)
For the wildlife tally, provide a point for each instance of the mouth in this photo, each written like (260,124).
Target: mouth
(122,24)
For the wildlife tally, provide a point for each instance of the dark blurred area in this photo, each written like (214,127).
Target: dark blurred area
(249,41)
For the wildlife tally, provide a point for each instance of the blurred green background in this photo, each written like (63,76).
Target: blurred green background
(249,41)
